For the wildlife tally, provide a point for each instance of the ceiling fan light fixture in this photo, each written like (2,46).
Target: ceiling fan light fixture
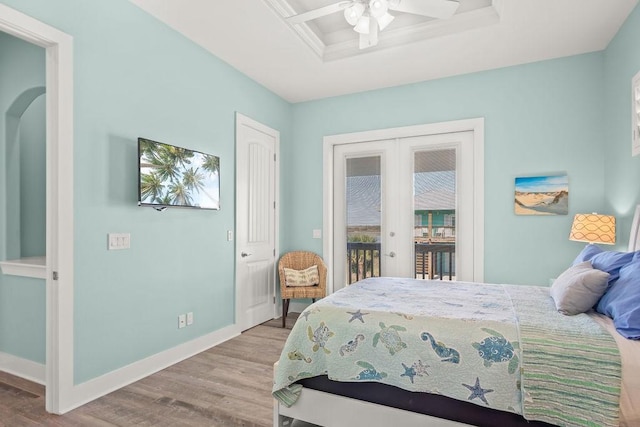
(353,13)
(385,20)
(378,8)
(362,26)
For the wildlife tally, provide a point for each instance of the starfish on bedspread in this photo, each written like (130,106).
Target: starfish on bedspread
(477,391)
(357,315)
(309,312)
(417,369)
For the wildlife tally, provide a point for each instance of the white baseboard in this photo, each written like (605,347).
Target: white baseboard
(100,386)
(23,368)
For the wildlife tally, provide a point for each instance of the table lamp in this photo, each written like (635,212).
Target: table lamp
(594,228)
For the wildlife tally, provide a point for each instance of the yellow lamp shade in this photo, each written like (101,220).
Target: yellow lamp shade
(594,228)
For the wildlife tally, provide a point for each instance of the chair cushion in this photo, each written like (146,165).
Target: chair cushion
(307,277)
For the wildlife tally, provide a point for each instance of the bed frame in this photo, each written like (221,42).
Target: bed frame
(326,409)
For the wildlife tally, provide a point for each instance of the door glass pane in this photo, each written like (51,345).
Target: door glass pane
(363,194)
(434,200)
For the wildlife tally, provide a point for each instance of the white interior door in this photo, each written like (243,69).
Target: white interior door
(404,207)
(256,219)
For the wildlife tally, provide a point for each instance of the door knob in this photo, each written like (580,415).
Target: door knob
(391,254)
(244,254)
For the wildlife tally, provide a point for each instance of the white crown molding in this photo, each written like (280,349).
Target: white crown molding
(284,10)
(427,30)
(460,22)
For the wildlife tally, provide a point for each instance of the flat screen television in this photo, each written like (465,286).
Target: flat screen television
(171,176)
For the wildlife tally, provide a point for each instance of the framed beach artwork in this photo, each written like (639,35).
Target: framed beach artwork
(542,195)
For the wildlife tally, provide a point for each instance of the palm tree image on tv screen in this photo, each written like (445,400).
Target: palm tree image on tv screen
(176,176)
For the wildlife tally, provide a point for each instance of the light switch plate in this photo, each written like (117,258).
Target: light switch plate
(118,241)
(317,234)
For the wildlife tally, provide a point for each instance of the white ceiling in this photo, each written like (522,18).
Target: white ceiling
(253,37)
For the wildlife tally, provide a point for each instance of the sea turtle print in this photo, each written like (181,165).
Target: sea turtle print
(446,353)
(369,373)
(496,349)
(352,345)
(297,355)
(390,338)
(417,369)
(320,337)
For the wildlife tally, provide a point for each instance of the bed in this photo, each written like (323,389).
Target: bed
(408,352)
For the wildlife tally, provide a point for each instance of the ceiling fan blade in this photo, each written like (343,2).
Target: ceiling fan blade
(441,9)
(370,39)
(318,13)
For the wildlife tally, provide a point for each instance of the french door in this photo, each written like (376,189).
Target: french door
(404,207)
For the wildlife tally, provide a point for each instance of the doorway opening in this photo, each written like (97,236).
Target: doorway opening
(58,263)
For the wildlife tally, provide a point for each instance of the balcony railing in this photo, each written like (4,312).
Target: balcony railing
(363,260)
(432,261)
(435,260)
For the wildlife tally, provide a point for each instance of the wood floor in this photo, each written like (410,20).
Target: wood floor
(228,385)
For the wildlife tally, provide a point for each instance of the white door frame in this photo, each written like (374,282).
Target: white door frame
(474,125)
(242,120)
(59,217)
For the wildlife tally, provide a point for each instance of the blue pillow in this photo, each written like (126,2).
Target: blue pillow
(622,301)
(607,261)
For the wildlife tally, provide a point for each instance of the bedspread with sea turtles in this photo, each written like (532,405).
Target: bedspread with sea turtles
(492,345)
(456,339)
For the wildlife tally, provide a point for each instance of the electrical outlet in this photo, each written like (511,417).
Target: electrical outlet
(190,318)
(182,321)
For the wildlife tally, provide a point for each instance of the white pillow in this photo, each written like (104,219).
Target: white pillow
(579,288)
(306,277)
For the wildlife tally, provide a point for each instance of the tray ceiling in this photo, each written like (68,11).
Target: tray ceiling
(253,37)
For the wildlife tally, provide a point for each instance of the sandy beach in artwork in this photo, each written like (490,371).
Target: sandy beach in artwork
(552,203)
(542,195)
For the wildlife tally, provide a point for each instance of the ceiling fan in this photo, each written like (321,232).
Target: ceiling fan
(368,17)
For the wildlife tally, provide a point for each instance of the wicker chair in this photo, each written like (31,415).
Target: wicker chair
(299,260)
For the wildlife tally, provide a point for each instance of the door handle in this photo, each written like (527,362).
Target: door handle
(391,254)
(244,254)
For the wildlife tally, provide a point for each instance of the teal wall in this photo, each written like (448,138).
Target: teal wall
(22,214)
(622,179)
(133,76)
(540,118)
(33,182)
